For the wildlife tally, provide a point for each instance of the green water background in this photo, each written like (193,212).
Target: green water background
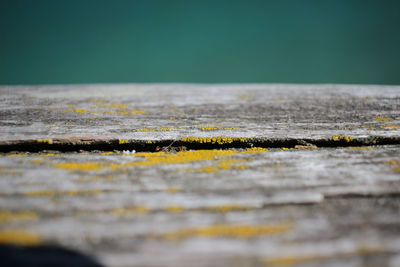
(282,41)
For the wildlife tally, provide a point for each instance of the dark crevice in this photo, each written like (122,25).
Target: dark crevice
(66,145)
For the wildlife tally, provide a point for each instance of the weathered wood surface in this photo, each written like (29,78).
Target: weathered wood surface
(174,111)
(297,206)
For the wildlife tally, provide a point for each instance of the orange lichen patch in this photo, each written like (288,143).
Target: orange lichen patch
(19,237)
(48,141)
(227,208)
(7,216)
(172,190)
(254,150)
(174,209)
(80,110)
(77,166)
(381,118)
(231,231)
(129,211)
(48,193)
(342,137)
(214,140)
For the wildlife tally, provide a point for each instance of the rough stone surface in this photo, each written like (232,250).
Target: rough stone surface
(297,206)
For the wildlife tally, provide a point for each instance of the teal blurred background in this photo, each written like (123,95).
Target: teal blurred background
(282,41)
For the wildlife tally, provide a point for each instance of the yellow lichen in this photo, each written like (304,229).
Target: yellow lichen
(208,128)
(134,111)
(17,155)
(214,140)
(48,141)
(48,193)
(122,141)
(339,137)
(106,153)
(19,237)
(389,125)
(231,231)
(393,162)
(227,208)
(172,190)
(381,118)
(129,211)
(289,260)
(161,129)
(174,209)
(78,166)
(305,147)
(361,147)
(47,155)
(7,216)
(254,150)
(80,110)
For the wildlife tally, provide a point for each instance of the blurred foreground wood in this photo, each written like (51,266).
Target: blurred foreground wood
(204,175)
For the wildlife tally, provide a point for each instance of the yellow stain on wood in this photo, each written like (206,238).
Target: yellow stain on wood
(19,237)
(231,231)
(339,137)
(8,216)
(214,140)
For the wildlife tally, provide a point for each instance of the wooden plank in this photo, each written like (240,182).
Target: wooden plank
(243,205)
